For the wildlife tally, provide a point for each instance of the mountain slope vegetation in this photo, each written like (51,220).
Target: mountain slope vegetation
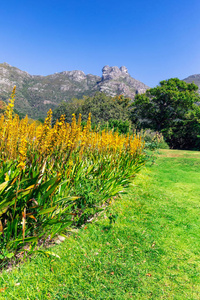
(35,94)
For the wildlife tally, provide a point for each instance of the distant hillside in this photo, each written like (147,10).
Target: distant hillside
(35,94)
(193,78)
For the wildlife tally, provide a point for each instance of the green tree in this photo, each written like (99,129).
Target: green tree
(169,108)
(67,109)
(120,126)
(102,108)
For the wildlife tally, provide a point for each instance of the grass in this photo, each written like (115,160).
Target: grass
(152,251)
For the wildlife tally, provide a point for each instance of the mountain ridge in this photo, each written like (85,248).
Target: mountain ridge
(193,78)
(36,94)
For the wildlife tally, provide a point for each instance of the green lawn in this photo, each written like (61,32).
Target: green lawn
(151,252)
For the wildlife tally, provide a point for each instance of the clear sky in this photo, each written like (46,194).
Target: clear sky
(154,39)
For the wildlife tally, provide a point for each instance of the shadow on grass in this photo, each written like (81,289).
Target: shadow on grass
(107,228)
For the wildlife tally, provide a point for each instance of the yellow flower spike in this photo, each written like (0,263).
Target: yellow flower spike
(88,126)
(79,120)
(10,106)
(22,153)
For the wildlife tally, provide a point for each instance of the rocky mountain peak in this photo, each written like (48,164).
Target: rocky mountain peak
(124,70)
(109,73)
(35,94)
(6,64)
(75,75)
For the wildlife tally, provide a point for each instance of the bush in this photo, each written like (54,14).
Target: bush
(153,140)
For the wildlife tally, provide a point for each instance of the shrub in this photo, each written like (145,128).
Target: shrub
(153,140)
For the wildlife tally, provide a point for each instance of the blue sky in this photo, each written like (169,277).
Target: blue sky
(154,39)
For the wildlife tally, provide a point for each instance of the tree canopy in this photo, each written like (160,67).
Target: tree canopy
(169,108)
(102,108)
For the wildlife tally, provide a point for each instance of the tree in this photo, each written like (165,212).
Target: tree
(168,108)
(102,108)
(67,109)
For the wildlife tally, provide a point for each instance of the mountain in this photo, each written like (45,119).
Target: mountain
(35,94)
(193,78)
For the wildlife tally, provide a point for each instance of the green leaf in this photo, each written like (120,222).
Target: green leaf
(47,210)
(47,253)
(26,240)
(9,255)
